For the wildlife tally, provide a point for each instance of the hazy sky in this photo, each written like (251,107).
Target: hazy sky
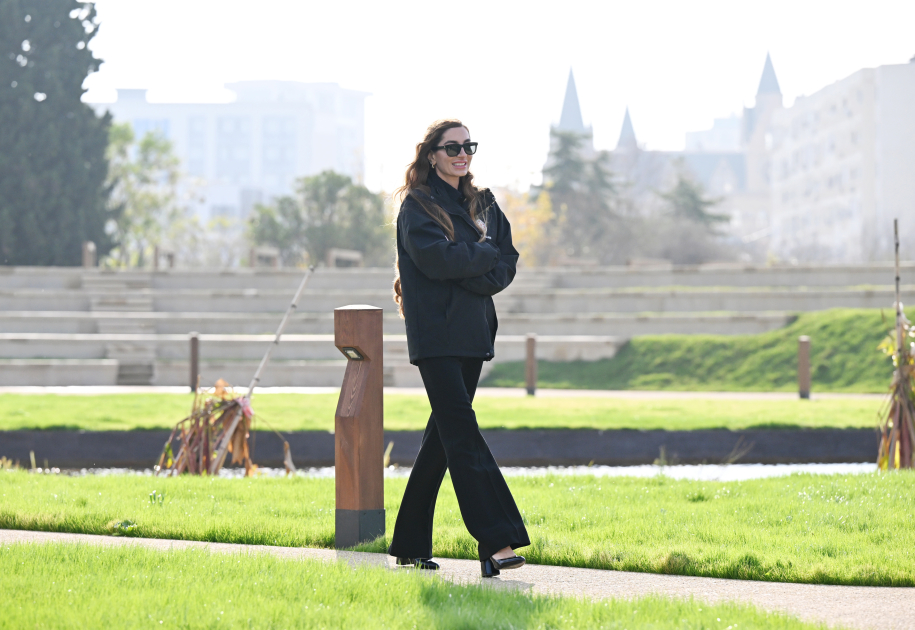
(500,66)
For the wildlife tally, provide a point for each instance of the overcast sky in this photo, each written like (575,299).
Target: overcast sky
(500,66)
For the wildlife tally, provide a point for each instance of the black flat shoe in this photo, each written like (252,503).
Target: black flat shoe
(492,567)
(419,563)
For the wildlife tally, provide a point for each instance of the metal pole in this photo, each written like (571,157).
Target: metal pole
(279,332)
(803,366)
(195,360)
(896,433)
(899,340)
(530,364)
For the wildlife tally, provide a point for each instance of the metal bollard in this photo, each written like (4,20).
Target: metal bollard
(359,427)
(530,365)
(195,361)
(803,366)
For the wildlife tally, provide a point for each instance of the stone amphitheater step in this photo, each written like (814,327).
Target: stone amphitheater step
(70,372)
(123,302)
(618,324)
(680,300)
(115,282)
(665,300)
(59,372)
(711,275)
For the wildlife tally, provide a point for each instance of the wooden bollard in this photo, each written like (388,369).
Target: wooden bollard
(359,427)
(195,360)
(89,254)
(530,364)
(803,366)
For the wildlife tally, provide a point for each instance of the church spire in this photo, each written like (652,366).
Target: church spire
(768,84)
(627,135)
(571,111)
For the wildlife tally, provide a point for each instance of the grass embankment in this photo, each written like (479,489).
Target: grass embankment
(46,586)
(315,412)
(844,358)
(805,528)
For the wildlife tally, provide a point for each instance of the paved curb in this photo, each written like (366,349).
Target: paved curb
(852,606)
(484,392)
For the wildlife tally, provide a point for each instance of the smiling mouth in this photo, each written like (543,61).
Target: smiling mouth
(459,164)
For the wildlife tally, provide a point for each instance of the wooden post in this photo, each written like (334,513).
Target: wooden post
(803,366)
(89,259)
(358,424)
(530,366)
(195,360)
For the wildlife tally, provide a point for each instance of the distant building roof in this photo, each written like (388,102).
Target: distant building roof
(627,134)
(571,111)
(768,84)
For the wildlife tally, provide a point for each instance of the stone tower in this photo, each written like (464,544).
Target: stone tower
(571,120)
(627,141)
(755,137)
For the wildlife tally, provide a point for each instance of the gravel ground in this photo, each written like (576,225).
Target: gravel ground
(850,606)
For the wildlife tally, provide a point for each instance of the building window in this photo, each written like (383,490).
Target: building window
(143,126)
(196,146)
(278,153)
(233,147)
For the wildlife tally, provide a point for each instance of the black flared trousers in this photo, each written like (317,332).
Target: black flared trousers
(453,441)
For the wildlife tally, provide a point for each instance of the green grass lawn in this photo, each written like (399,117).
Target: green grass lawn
(844,358)
(842,529)
(83,586)
(315,412)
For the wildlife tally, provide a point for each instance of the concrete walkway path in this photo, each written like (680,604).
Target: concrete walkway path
(849,606)
(493,392)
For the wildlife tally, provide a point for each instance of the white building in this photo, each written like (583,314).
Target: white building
(819,181)
(730,161)
(252,149)
(843,167)
(722,137)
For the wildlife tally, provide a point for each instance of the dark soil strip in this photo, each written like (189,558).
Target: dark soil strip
(558,447)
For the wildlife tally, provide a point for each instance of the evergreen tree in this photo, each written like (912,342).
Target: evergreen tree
(686,232)
(584,196)
(53,169)
(687,201)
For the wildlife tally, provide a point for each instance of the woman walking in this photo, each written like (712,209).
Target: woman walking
(454,252)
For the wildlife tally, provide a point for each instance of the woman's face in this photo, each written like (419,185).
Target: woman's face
(452,168)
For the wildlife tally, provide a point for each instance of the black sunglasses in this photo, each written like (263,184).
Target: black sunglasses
(454,149)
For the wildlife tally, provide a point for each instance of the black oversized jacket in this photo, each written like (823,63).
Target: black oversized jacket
(447,286)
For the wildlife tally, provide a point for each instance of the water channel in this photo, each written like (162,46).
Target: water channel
(705,472)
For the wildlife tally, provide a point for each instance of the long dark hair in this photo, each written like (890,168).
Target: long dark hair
(415,187)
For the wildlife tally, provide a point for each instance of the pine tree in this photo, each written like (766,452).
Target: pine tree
(687,201)
(53,168)
(584,196)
